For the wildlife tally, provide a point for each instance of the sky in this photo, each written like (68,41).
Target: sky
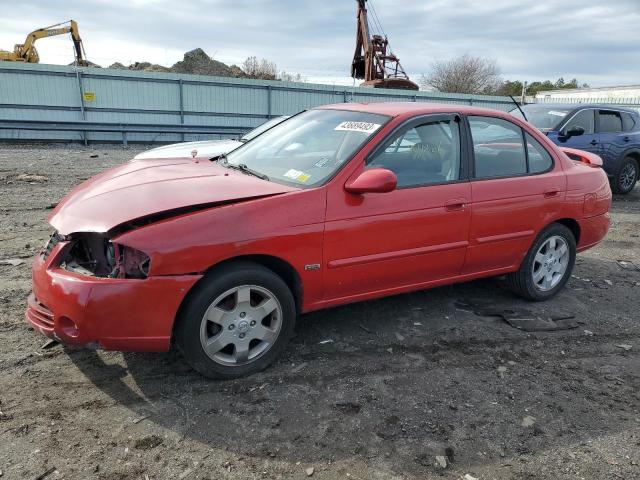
(595,41)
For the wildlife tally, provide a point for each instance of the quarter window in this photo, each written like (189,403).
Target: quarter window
(610,121)
(584,119)
(498,148)
(539,159)
(422,155)
(628,121)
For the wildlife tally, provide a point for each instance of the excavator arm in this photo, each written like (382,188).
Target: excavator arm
(363,44)
(26,52)
(372,62)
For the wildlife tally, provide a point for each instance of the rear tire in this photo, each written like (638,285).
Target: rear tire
(236,321)
(547,266)
(625,177)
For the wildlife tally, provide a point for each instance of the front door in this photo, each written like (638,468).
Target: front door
(589,141)
(415,235)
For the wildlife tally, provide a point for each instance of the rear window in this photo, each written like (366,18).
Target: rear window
(543,117)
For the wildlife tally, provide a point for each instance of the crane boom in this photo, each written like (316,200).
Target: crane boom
(373,61)
(26,52)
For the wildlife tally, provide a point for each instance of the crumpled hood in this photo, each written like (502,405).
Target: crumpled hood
(205,149)
(142,189)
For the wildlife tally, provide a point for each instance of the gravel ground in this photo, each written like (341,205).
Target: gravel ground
(414,386)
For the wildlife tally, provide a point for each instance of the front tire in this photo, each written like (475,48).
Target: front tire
(547,266)
(625,176)
(236,321)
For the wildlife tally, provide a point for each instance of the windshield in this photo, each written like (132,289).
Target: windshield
(544,117)
(262,128)
(309,148)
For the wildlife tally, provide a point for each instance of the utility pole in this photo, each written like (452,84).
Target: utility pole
(523,100)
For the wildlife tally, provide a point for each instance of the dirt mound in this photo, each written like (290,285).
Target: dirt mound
(141,66)
(195,62)
(199,63)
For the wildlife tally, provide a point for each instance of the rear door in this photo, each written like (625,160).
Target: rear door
(516,188)
(613,139)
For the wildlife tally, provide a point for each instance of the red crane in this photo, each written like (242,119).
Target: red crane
(373,60)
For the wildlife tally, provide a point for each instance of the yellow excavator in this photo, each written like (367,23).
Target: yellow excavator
(26,52)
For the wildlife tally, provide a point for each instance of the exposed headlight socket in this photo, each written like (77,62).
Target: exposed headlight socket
(95,255)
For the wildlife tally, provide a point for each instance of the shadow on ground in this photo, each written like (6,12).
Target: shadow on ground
(406,378)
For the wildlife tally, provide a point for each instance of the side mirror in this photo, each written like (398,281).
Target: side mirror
(376,180)
(575,132)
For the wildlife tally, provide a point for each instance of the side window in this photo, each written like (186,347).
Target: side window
(628,121)
(404,142)
(610,121)
(422,155)
(539,159)
(584,119)
(498,148)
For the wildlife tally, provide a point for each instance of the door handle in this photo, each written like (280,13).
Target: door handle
(626,139)
(550,193)
(455,205)
(594,142)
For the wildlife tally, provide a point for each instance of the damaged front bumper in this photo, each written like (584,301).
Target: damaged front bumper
(111,313)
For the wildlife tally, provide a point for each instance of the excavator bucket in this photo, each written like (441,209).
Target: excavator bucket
(394,83)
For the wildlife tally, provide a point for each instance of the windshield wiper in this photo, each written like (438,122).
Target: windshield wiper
(222,159)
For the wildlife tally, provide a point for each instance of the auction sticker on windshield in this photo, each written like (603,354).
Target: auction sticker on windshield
(558,114)
(297,175)
(364,127)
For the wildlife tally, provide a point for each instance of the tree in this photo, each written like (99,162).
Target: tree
(465,74)
(260,69)
(291,77)
(265,70)
(510,88)
(537,87)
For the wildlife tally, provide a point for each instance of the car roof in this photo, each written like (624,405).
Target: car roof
(395,109)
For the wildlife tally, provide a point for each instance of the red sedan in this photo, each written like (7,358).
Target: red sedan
(337,204)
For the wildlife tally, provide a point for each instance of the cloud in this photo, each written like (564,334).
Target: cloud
(594,41)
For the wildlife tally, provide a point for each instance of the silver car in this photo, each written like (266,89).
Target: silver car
(207,148)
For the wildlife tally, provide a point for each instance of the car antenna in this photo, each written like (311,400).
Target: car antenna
(518,105)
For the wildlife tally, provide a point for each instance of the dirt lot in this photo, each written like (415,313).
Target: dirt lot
(404,380)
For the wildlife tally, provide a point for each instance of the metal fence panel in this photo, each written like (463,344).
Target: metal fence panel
(208,105)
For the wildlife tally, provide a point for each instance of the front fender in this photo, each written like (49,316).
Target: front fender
(289,227)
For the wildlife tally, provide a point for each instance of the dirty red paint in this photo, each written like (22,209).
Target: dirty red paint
(366,245)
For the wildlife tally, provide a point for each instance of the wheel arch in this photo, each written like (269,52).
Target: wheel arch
(572,225)
(633,153)
(568,222)
(277,265)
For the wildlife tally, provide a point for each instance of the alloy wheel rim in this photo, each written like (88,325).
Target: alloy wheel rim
(550,263)
(241,325)
(628,176)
